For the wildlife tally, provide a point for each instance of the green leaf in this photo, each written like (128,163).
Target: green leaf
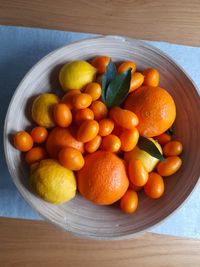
(110,74)
(170,131)
(118,89)
(149,147)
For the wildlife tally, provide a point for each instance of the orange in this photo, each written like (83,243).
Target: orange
(103,178)
(59,138)
(155,109)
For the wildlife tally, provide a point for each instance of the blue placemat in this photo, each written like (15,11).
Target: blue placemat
(20,49)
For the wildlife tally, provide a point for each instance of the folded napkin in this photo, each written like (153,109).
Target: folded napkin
(20,49)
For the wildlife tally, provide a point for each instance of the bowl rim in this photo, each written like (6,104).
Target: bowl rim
(112,37)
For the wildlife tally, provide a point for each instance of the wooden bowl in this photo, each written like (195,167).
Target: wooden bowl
(79,216)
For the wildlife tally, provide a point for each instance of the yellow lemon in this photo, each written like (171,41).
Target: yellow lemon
(52,182)
(42,109)
(76,74)
(148,161)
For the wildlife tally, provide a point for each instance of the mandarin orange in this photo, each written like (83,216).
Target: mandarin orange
(155,109)
(103,178)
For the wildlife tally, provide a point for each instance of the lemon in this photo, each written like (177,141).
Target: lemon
(52,182)
(148,161)
(42,109)
(76,74)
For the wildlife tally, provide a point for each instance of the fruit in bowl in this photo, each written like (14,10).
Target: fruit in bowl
(78,215)
(79,146)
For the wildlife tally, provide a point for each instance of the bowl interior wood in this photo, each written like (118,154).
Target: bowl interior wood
(79,216)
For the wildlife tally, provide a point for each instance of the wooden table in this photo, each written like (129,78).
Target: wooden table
(32,243)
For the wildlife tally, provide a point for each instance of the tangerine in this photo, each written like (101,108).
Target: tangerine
(103,178)
(155,109)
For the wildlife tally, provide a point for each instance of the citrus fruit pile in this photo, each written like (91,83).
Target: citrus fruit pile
(109,136)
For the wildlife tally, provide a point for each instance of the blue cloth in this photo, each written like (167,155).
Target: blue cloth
(20,49)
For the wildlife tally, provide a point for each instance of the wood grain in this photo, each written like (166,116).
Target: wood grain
(34,243)
(174,21)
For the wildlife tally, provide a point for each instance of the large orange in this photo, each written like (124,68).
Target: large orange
(155,109)
(59,138)
(103,178)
